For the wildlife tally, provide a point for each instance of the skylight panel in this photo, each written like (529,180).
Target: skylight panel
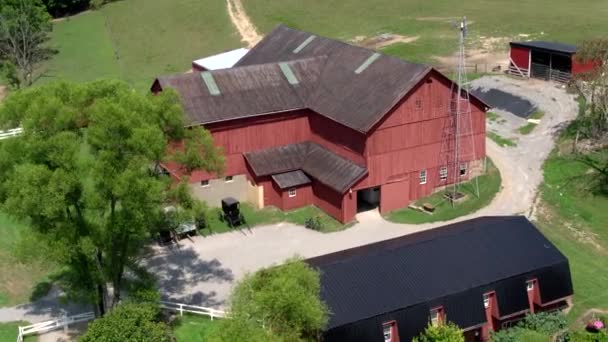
(210,83)
(367,62)
(304,43)
(289,75)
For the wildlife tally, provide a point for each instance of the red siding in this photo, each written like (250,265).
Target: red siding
(521,57)
(303,198)
(349,207)
(339,139)
(272,193)
(394,195)
(582,67)
(328,200)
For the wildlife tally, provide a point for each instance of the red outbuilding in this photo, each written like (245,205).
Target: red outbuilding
(546,60)
(307,120)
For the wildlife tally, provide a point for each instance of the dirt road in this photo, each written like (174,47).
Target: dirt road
(248,32)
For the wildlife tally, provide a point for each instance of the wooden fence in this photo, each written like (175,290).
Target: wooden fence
(198,310)
(10,133)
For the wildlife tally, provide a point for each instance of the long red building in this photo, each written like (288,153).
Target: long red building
(304,119)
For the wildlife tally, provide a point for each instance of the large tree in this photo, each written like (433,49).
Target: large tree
(81,174)
(276,304)
(24,31)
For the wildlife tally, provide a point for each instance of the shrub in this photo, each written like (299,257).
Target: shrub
(96,4)
(448,332)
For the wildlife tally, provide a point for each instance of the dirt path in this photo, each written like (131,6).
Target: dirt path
(248,32)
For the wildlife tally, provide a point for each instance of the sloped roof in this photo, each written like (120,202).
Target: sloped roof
(317,162)
(291,179)
(383,277)
(222,60)
(548,46)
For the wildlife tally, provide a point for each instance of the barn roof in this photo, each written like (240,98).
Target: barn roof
(448,262)
(222,60)
(314,160)
(351,85)
(547,46)
(291,179)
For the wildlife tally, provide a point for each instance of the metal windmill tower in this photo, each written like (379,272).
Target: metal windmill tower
(461,111)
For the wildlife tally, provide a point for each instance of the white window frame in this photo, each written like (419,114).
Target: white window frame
(387,329)
(530,285)
(486,300)
(436,316)
(422,176)
(291,192)
(443,173)
(463,167)
(229,179)
(205,183)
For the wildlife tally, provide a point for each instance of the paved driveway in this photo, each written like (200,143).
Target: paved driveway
(203,271)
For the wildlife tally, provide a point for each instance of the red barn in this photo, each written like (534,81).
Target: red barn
(546,60)
(304,119)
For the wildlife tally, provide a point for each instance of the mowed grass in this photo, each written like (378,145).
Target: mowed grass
(489,185)
(270,215)
(575,219)
(192,328)
(23,273)
(9,332)
(137,40)
(500,140)
(431,20)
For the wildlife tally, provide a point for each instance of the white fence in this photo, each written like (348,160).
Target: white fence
(43,327)
(199,310)
(10,133)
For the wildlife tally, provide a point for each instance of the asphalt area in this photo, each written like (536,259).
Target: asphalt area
(505,101)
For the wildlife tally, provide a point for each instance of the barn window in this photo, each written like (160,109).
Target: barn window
(418,103)
(228,179)
(436,316)
(530,285)
(204,183)
(422,177)
(443,173)
(486,300)
(292,192)
(389,331)
(463,169)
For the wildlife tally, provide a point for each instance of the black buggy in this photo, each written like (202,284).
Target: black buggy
(231,212)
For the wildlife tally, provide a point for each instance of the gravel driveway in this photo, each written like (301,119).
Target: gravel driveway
(203,271)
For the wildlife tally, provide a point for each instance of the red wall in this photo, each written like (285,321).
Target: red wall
(582,67)
(272,193)
(303,198)
(394,195)
(328,200)
(337,138)
(521,56)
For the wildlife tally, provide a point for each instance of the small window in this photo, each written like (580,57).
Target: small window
(204,183)
(387,329)
(463,169)
(292,192)
(530,285)
(418,103)
(436,317)
(422,177)
(228,179)
(486,300)
(443,173)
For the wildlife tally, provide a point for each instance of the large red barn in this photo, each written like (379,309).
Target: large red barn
(304,119)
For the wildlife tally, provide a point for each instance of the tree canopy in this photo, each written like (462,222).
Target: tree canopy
(24,31)
(448,332)
(81,174)
(275,304)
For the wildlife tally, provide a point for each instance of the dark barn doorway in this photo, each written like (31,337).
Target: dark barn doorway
(550,66)
(368,199)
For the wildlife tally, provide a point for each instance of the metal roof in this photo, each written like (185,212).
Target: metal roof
(547,46)
(223,60)
(488,253)
(291,179)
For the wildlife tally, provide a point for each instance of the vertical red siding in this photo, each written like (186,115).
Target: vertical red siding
(349,207)
(272,193)
(337,138)
(303,198)
(328,200)
(521,57)
(583,67)
(394,195)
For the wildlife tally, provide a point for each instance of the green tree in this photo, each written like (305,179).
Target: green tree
(448,332)
(275,304)
(59,8)
(199,152)
(24,31)
(129,322)
(81,175)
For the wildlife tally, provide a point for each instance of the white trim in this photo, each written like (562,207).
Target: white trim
(205,185)
(486,300)
(421,177)
(229,179)
(461,168)
(181,308)
(291,192)
(530,285)
(442,170)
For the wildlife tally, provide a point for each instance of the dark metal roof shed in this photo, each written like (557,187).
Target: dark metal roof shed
(547,46)
(450,266)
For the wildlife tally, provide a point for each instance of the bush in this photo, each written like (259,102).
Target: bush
(129,322)
(537,327)
(448,332)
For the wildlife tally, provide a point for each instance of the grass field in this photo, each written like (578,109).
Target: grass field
(21,270)
(529,127)
(192,328)
(8,332)
(500,140)
(575,219)
(431,20)
(489,185)
(136,40)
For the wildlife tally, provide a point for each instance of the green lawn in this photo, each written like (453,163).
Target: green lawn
(23,273)
(489,185)
(529,127)
(192,328)
(431,21)
(136,40)
(491,116)
(9,331)
(575,220)
(269,215)
(500,140)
